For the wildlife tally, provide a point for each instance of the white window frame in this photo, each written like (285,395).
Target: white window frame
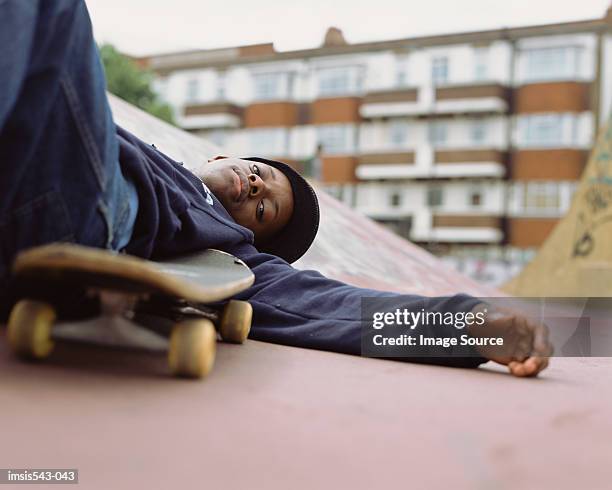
(221,92)
(396,193)
(160,86)
(437,133)
(192,90)
(476,191)
(402,74)
(481,64)
(543,130)
(267,86)
(440,70)
(398,134)
(336,138)
(541,197)
(338,81)
(478,131)
(551,63)
(436,191)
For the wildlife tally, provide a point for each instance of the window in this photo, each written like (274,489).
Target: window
(395,199)
(434,196)
(401,74)
(475,197)
(398,133)
(267,86)
(439,70)
(481,60)
(193,90)
(543,129)
(268,141)
(551,63)
(338,81)
(221,87)
(438,133)
(160,87)
(541,196)
(478,131)
(336,138)
(402,78)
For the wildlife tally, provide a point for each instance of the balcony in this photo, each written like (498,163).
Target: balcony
(469,163)
(464,99)
(488,98)
(426,163)
(391,103)
(211,116)
(466,228)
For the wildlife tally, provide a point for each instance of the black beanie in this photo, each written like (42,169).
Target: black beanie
(298,234)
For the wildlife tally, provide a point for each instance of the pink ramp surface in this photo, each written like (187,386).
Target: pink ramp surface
(275,417)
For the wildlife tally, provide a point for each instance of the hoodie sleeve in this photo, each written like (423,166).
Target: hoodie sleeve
(302,308)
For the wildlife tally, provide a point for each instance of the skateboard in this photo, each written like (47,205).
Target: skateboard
(184,299)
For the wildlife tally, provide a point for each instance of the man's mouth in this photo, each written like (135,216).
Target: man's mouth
(241,185)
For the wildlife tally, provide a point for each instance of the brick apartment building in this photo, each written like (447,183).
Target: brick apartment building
(470,144)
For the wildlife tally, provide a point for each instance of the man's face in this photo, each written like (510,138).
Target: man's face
(256,195)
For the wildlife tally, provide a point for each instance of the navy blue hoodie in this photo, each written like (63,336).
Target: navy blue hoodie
(178,214)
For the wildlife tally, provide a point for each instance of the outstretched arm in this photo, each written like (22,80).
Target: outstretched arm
(306,309)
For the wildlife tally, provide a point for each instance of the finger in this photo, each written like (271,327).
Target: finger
(516,368)
(531,367)
(521,369)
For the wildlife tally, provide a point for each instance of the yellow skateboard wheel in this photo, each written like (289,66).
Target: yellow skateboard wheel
(235,322)
(192,348)
(29,329)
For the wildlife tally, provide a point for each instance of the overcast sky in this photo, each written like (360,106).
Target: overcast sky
(141,27)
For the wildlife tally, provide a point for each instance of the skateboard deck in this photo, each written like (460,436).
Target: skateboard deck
(68,282)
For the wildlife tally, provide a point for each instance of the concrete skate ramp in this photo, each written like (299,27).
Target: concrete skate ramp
(576,259)
(348,247)
(274,417)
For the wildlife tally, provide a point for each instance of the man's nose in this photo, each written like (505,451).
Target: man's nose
(256,185)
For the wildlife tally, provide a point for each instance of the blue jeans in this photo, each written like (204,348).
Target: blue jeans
(60,178)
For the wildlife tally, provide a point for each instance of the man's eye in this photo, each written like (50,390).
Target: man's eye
(260,210)
(256,170)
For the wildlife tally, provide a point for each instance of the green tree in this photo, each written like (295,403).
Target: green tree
(132,84)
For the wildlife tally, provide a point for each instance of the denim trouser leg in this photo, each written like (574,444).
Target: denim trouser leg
(59,172)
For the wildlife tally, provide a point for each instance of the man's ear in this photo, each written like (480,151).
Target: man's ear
(218,157)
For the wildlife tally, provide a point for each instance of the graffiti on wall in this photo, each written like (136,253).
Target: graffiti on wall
(596,200)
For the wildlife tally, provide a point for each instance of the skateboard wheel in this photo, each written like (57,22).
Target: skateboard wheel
(235,322)
(29,329)
(192,348)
